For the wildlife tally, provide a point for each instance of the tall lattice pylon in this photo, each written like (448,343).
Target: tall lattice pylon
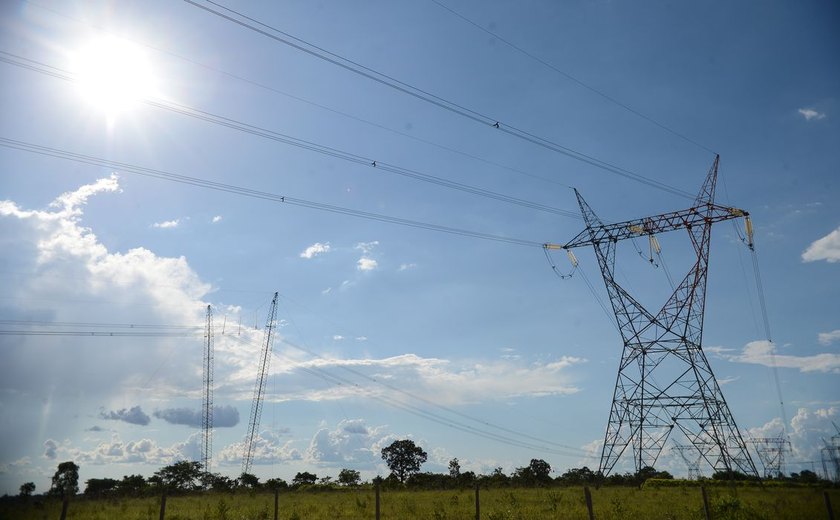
(664,380)
(259,388)
(207,398)
(692,457)
(771,452)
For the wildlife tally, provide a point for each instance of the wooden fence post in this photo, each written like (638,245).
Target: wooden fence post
(377,501)
(828,506)
(64,504)
(706,510)
(163,506)
(276,498)
(477,504)
(588,496)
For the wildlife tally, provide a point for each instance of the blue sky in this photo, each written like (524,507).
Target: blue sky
(389,331)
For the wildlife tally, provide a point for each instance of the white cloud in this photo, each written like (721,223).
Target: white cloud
(406,267)
(827,338)
(351,443)
(338,337)
(315,249)
(366,247)
(50,449)
(270,447)
(116,451)
(810,113)
(440,380)
(826,248)
(167,224)
(764,353)
(366,264)
(216,219)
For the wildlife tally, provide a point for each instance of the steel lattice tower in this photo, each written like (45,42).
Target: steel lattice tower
(684,393)
(207,401)
(692,458)
(259,388)
(771,452)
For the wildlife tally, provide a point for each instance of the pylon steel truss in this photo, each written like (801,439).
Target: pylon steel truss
(207,401)
(692,457)
(664,380)
(771,452)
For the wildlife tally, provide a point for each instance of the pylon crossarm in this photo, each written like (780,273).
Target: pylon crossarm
(684,219)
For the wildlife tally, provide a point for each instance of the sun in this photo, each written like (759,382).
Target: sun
(113,75)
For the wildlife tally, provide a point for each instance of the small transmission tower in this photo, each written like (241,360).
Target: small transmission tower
(207,402)
(664,379)
(771,452)
(259,388)
(692,457)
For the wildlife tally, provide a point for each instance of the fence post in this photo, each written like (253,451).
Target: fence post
(377,501)
(163,506)
(706,509)
(828,506)
(66,502)
(588,496)
(477,504)
(276,497)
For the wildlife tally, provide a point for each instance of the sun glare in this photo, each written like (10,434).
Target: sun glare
(113,74)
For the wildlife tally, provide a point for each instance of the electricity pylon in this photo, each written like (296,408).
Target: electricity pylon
(259,388)
(692,458)
(207,401)
(684,393)
(771,452)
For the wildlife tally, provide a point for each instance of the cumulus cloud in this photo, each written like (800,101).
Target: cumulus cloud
(316,249)
(50,449)
(69,264)
(216,219)
(133,415)
(826,248)
(807,429)
(167,224)
(270,447)
(827,338)
(223,416)
(811,114)
(764,353)
(117,451)
(366,264)
(351,443)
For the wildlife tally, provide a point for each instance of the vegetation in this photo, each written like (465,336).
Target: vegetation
(403,458)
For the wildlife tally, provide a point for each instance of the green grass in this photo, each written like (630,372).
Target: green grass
(496,504)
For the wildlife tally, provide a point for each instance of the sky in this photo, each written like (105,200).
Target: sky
(158,158)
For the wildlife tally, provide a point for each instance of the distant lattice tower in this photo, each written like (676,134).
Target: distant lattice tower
(207,400)
(771,451)
(692,457)
(664,380)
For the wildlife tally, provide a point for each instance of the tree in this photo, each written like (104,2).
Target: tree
(349,477)
(180,476)
(403,458)
(275,483)
(304,477)
(66,479)
(132,485)
(27,489)
(249,481)
(100,486)
(535,473)
(454,468)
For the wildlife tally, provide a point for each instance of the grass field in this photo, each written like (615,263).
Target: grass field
(496,504)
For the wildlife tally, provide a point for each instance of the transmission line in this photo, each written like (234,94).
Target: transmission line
(257,194)
(285,38)
(234,124)
(308,101)
(572,78)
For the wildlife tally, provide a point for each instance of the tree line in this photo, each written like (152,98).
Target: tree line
(403,457)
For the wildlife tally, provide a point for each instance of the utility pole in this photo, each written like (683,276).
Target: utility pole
(207,401)
(771,452)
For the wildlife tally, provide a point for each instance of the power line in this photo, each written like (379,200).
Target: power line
(300,143)
(572,78)
(285,38)
(310,102)
(257,194)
